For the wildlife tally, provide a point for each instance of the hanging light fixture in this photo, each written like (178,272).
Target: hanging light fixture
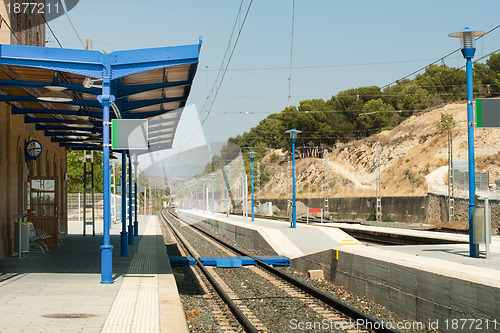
(82,121)
(56,92)
(92,138)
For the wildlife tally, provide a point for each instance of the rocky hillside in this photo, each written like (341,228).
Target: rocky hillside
(412,155)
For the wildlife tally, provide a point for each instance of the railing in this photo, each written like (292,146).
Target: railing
(75,207)
(460,192)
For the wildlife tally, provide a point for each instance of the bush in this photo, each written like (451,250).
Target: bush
(388,218)
(273,157)
(371,216)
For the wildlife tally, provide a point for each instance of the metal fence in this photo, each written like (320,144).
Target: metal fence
(75,207)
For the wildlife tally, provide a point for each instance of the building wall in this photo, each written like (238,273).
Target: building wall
(14,134)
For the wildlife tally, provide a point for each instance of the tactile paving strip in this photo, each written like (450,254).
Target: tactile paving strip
(136,307)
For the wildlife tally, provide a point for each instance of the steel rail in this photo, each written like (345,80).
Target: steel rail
(242,319)
(342,307)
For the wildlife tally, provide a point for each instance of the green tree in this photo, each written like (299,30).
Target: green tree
(378,116)
(444,82)
(75,171)
(406,96)
(446,122)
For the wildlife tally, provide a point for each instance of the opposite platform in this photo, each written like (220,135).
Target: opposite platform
(285,241)
(426,283)
(61,291)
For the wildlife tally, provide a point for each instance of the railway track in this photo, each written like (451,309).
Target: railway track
(262,298)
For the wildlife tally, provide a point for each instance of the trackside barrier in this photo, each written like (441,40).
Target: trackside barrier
(315,211)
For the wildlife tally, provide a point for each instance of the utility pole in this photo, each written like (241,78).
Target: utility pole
(451,179)
(326,183)
(258,184)
(89,44)
(379,189)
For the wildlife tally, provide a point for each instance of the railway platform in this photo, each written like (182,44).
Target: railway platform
(277,236)
(61,292)
(434,282)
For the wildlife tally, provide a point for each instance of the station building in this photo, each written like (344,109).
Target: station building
(54,99)
(48,171)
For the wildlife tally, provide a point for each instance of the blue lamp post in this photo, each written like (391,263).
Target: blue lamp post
(293,137)
(203,194)
(467,37)
(191,196)
(213,191)
(136,222)
(130,200)
(187,197)
(123,233)
(196,195)
(252,157)
(227,167)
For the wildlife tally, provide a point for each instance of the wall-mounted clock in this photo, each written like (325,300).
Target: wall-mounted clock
(33,150)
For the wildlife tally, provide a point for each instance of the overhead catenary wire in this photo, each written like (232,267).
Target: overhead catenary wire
(71,23)
(438,60)
(50,28)
(219,83)
(221,68)
(2,20)
(291,56)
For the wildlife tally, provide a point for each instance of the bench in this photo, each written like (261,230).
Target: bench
(36,237)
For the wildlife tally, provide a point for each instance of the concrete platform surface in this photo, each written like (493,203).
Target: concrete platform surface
(288,242)
(423,283)
(61,291)
(448,259)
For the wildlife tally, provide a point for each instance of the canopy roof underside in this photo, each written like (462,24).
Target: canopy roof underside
(149,84)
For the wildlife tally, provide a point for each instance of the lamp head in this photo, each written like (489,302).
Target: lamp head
(293,134)
(227,167)
(467,40)
(252,155)
(55,92)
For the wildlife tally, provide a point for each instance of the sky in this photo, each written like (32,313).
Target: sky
(337,45)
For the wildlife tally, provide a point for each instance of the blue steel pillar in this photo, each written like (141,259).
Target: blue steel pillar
(196,197)
(203,194)
(467,37)
(106,248)
(123,233)
(227,167)
(293,136)
(187,197)
(130,201)
(252,157)
(136,223)
(213,190)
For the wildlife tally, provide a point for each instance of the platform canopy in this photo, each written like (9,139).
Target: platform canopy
(149,84)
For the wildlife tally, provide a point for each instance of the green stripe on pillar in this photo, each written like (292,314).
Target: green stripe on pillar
(114,134)
(479,113)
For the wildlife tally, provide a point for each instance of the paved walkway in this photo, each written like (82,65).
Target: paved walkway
(66,283)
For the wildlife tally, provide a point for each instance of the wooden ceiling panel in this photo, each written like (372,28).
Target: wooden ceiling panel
(175,92)
(144,77)
(178,73)
(153,94)
(171,105)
